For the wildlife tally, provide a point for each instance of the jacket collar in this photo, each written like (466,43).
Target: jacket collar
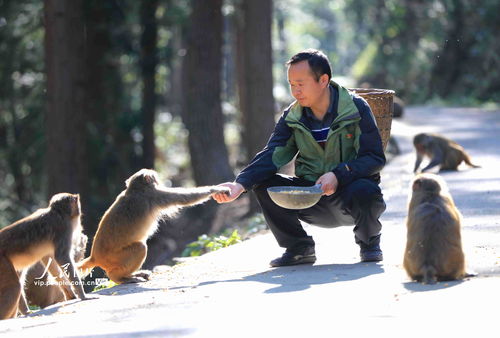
(346,109)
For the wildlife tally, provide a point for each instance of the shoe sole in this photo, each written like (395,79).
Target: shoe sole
(375,259)
(304,260)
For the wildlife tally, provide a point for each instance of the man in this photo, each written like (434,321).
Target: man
(338,145)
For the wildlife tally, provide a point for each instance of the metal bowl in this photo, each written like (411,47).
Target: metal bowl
(291,197)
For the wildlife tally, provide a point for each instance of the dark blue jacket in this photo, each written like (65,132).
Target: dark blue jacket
(353,148)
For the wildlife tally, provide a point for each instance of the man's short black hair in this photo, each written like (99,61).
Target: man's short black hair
(317,60)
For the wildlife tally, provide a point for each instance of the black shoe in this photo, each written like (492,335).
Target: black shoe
(371,253)
(307,256)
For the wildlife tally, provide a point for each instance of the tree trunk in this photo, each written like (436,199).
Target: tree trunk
(149,62)
(255,78)
(65,120)
(453,55)
(203,112)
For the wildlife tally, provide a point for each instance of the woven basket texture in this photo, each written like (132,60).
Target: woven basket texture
(381,104)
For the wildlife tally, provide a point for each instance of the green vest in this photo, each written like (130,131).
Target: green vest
(342,142)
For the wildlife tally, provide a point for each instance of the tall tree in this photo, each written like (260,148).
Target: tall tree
(255,77)
(149,61)
(203,111)
(65,119)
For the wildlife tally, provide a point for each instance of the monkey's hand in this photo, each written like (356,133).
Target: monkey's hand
(236,190)
(220,190)
(329,183)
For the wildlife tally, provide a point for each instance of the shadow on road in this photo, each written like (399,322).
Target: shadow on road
(302,277)
(419,287)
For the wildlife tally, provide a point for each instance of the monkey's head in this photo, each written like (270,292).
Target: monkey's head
(66,204)
(420,141)
(429,183)
(143,179)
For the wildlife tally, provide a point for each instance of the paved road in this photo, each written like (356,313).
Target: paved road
(233,292)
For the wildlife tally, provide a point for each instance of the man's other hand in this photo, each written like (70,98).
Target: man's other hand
(329,183)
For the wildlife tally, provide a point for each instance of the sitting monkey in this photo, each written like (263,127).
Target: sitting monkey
(441,151)
(434,244)
(119,245)
(45,235)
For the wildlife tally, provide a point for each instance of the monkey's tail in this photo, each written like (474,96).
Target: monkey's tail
(429,274)
(469,163)
(85,266)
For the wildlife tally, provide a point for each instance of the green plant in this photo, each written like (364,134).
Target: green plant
(107,285)
(207,243)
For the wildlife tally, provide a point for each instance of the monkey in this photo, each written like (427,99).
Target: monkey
(434,246)
(441,151)
(38,290)
(119,245)
(399,107)
(44,235)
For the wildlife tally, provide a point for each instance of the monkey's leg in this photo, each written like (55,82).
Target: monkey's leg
(58,274)
(131,259)
(10,289)
(62,256)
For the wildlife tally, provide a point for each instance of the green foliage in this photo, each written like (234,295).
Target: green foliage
(244,230)
(207,243)
(107,285)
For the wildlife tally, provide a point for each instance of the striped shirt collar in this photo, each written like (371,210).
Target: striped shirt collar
(329,116)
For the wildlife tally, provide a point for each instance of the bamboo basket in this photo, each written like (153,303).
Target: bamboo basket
(381,104)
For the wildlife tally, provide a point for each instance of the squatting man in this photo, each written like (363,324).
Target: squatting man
(334,135)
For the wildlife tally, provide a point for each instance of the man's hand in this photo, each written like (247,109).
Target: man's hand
(236,190)
(329,183)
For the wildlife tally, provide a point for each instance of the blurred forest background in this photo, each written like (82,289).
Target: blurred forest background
(91,91)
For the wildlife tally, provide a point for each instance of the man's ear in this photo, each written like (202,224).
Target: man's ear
(323,80)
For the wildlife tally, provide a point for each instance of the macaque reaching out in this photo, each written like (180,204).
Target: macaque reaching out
(45,235)
(434,245)
(119,245)
(441,151)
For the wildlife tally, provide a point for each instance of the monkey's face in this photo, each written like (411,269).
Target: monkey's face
(420,142)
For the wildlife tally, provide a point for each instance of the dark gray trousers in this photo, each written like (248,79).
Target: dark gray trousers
(359,203)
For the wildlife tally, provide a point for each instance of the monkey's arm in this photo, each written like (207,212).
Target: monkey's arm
(418,161)
(436,159)
(23,304)
(62,257)
(167,197)
(58,274)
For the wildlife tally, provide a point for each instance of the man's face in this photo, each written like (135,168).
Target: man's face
(303,85)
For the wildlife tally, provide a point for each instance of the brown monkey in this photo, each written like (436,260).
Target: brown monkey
(46,234)
(434,245)
(441,151)
(119,245)
(39,291)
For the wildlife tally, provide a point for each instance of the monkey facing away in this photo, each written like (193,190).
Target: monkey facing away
(45,235)
(441,151)
(37,287)
(119,245)
(434,245)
